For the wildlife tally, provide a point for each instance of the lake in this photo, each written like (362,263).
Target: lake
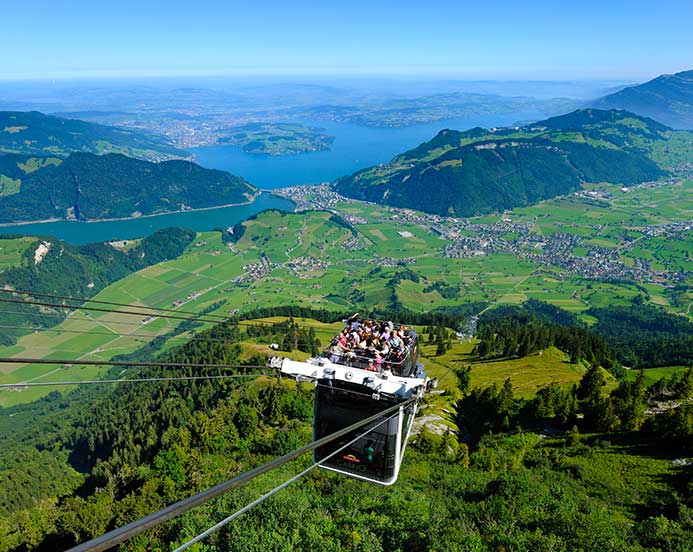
(88,232)
(355,147)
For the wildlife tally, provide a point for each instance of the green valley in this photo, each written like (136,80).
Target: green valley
(598,248)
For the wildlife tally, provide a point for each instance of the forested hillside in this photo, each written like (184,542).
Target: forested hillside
(638,335)
(477,171)
(88,187)
(51,266)
(646,335)
(34,133)
(124,452)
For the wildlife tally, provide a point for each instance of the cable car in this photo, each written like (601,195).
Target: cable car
(355,383)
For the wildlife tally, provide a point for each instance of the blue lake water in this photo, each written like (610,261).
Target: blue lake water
(355,147)
(89,232)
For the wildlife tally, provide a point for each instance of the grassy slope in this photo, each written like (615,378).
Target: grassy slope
(349,281)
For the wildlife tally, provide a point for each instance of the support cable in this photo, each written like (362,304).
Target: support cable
(115,334)
(18,360)
(121,534)
(274,491)
(198,318)
(111,303)
(68,318)
(126,380)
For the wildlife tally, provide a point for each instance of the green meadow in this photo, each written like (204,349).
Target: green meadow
(315,260)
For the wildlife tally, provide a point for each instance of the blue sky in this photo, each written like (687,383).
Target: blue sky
(527,39)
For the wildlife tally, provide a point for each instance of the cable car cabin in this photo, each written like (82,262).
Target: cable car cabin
(377,455)
(352,385)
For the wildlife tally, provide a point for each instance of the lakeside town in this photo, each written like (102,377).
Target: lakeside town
(569,252)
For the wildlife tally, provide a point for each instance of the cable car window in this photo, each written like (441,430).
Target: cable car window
(375,455)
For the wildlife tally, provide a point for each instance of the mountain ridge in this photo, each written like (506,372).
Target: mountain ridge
(667,98)
(485,170)
(85,186)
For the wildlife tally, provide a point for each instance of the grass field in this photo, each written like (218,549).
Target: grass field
(12,249)
(316,261)
(652,375)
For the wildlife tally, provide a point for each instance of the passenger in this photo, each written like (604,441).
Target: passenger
(369,451)
(396,342)
(371,366)
(385,336)
(335,353)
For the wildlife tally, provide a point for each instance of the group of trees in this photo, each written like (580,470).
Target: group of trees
(440,336)
(584,407)
(138,447)
(288,335)
(521,333)
(637,335)
(646,335)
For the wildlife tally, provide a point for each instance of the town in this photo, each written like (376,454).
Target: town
(467,238)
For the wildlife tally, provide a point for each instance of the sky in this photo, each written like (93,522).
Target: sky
(489,39)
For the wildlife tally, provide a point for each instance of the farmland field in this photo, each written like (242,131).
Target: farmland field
(385,259)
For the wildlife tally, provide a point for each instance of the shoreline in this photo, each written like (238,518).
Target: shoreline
(45,221)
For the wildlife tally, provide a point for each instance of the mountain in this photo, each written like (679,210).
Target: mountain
(480,170)
(668,98)
(34,133)
(88,187)
(48,265)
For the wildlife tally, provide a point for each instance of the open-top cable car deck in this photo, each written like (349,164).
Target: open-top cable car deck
(358,375)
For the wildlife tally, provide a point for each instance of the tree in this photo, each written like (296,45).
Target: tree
(590,387)
(464,378)
(573,436)
(506,400)
(629,403)
(684,387)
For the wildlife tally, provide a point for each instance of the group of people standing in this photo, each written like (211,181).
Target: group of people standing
(376,346)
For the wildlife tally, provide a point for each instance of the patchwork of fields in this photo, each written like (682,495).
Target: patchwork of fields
(378,260)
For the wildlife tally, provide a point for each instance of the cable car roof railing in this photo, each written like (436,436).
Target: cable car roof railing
(350,355)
